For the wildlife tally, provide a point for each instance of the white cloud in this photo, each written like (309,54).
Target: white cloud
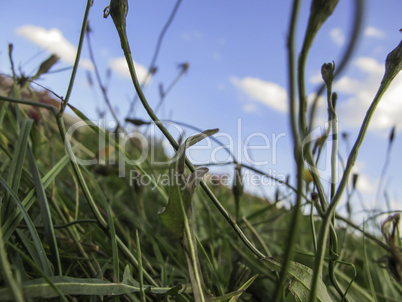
(365,184)
(53,41)
(362,91)
(337,36)
(268,93)
(249,107)
(374,32)
(316,78)
(120,66)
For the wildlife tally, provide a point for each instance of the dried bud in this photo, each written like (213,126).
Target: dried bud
(137,122)
(392,135)
(237,188)
(345,135)
(238,182)
(355,177)
(47,64)
(153,70)
(327,72)
(184,67)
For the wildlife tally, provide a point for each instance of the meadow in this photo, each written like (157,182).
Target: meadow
(140,225)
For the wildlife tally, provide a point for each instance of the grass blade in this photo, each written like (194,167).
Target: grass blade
(14,174)
(78,286)
(45,213)
(38,243)
(15,218)
(13,287)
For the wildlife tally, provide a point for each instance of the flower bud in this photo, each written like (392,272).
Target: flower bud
(393,64)
(327,72)
(118,10)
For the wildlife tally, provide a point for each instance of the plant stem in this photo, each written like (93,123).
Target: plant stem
(393,66)
(77,58)
(297,153)
(157,49)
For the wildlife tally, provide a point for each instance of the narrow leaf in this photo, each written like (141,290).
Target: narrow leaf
(38,243)
(77,286)
(15,218)
(14,174)
(45,213)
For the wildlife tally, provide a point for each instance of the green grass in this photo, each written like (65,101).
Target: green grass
(70,231)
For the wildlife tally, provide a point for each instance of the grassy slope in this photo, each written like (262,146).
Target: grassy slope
(86,250)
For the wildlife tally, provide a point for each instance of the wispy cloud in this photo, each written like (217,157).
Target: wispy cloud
(371,31)
(120,66)
(268,93)
(337,36)
(53,41)
(362,92)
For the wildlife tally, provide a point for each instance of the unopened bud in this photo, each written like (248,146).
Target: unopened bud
(393,64)
(327,72)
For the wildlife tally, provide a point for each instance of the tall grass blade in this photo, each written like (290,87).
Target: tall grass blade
(45,213)
(15,218)
(14,174)
(44,262)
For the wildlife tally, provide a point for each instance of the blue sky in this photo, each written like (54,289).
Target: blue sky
(237,72)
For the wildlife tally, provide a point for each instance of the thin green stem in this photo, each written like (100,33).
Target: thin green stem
(77,57)
(99,80)
(298,153)
(157,49)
